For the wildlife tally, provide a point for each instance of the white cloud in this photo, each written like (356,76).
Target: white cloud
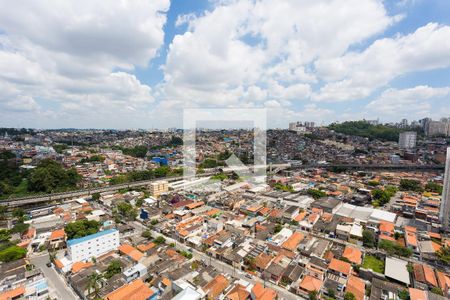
(407,102)
(357,75)
(77,54)
(268,44)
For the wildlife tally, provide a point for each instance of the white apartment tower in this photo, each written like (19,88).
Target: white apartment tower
(407,139)
(94,245)
(444,214)
(158,187)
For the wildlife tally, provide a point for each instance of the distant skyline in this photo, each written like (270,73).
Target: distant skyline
(137,64)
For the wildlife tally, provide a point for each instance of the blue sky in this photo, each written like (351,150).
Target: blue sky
(138,64)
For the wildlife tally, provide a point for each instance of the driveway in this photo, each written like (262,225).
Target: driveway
(57,284)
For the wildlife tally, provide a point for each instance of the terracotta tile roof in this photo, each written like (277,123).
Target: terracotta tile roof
(436,246)
(300,217)
(212,212)
(79,265)
(24,243)
(419,273)
(263,260)
(166,281)
(411,229)
(340,266)
(238,293)
(387,227)
(416,294)
(132,252)
(136,290)
(353,255)
(443,280)
(146,247)
(57,234)
(12,294)
(292,242)
(264,211)
(30,233)
(275,213)
(261,293)
(356,286)
(411,238)
(327,217)
(430,278)
(310,283)
(216,286)
(195,205)
(434,235)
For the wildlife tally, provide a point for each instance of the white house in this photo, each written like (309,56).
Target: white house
(93,245)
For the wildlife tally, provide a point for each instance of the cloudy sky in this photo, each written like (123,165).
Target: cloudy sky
(137,64)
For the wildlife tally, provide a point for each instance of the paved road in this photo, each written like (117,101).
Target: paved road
(55,281)
(221,266)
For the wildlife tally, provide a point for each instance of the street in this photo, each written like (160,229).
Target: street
(58,287)
(221,266)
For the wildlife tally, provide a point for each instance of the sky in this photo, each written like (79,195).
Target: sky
(139,64)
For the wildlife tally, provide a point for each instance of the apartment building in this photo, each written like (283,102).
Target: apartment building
(93,245)
(158,187)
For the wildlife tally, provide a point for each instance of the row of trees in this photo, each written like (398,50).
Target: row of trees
(390,247)
(383,196)
(159,172)
(416,186)
(81,228)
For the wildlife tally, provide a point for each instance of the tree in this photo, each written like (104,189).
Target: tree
(368,238)
(3,211)
(81,228)
(146,234)
(331,293)
(394,248)
(20,227)
(433,187)
(127,211)
(96,196)
(4,235)
(95,283)
(410,185)
(18,213)
(349,296)
(12,253)
(159,240)
(316,194)
(444,254)
(277,228)
(380,196)
(50,176)
(113,269)
(437,291)
(312,295)
(403,294)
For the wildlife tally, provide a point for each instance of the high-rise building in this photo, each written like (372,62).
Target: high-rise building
(407,139)
(158,187)
(444,214)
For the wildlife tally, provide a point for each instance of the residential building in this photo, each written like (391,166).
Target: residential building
(93,245)
(158,187)
(407,139)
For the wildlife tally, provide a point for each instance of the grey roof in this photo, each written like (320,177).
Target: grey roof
(397,269)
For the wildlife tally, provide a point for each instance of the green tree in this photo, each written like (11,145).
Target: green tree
(81,228)
(437,291)
(50,176)
(20,227)
(434,187)
(146,234)
(4,235)
(94,285)
(12,253)
(159,240)
(278,228)
(331,293)
(113,269)
(403,294)
(410,185)
(368,238)
(394,248)
(380,196)
(444,254)
(312,295)
(349,296)
(316,194)
(96,196)
(127,211)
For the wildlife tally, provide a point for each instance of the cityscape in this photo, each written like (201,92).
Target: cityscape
(225,150)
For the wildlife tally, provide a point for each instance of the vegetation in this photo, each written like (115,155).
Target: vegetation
(349,296)
(113,269)
(316,194)
(209,163)
(373,263)
(93,158)
(59,148)
(126,211)
(393,248)
(373,183)
(10,175)
(137,151)
(312,295)
(95,196)
(368,238)
(81,228)
(95,283)
(277,228)
(159,172)
(403,294)
(20,227)
(220,176)
(410,185)
(444,255)
(146,234)
(11,253)
(365,129)
(283,187)
(186,254)
(437,291)
(159,240)
(49,176)
(433,187)
(383,196)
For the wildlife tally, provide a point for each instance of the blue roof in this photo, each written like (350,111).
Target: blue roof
(89,237)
